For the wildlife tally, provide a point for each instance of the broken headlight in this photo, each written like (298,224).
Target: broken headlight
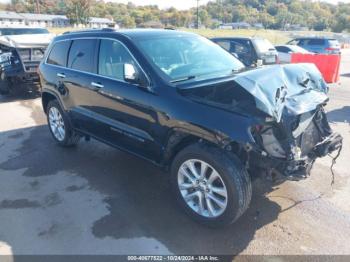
(270,143)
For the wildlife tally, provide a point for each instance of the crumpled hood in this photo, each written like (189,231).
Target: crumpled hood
(300,88)
(27,41)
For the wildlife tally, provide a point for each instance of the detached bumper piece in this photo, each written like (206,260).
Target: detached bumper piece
(330,144)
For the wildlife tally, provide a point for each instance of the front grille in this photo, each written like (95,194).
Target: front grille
(24,54)
(34,54)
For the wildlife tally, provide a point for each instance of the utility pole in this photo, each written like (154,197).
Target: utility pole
(37,6)
(197,24)
(221,15)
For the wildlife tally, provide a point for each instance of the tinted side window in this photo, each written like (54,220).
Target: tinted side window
(224,44)
(59,53)
(282,49)
(316,42)
(81,55)
(240,47)
(301,42)
(112,57)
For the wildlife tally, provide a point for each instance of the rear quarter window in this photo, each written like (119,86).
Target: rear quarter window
(59,53)
(81,55)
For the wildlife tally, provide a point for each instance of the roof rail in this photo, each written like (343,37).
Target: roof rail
(108,29)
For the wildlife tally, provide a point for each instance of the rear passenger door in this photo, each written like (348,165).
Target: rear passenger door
(78,81)
(55,68)
(317,45)
(120,113)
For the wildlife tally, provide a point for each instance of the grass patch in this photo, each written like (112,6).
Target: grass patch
(275,36)
(61,30)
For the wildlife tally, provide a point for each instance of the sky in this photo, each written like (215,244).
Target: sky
(178,4)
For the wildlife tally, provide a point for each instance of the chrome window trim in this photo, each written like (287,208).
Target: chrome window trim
(93,74)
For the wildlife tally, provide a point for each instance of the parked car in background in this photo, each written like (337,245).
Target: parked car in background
(318,45)
(21,50)
(285,52)
(188,106)
(249,50)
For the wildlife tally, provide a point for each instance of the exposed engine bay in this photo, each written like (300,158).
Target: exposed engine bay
(288,102)
(293,145)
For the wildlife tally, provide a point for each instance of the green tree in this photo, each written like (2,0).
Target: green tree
(78,11)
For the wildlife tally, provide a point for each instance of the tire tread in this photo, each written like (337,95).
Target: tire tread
(72,138)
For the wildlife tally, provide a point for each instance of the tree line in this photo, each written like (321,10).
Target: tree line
(272,14)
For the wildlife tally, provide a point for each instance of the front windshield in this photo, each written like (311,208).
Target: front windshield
(186,57)
(22,31)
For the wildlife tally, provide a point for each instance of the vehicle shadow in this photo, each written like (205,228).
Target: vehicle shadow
(339,115)
(20,95)
(139,198)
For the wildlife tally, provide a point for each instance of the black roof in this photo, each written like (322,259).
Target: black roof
(130,33)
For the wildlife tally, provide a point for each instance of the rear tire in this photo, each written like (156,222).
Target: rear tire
(231,189)
(60,125)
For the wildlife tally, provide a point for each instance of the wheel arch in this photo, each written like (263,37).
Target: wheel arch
(46,97)
(179,139)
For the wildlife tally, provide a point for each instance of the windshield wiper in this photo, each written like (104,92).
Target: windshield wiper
(182,79)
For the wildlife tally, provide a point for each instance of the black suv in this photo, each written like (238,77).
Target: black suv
(249,49)
(184,103)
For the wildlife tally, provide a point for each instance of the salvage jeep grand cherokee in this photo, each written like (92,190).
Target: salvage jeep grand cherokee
(184,103)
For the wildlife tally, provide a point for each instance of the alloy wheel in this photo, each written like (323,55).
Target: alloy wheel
(57,124)
(202,188)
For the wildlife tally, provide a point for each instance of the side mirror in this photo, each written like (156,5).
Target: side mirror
(130,74)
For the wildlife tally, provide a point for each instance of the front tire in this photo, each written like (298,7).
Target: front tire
(60,126)
(211,186)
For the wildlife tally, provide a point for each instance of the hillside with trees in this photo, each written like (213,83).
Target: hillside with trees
(272,14)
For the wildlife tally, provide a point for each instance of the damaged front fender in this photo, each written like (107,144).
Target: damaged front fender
(299,88)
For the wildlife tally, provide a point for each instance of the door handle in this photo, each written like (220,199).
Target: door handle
(96,85)
(61,75)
